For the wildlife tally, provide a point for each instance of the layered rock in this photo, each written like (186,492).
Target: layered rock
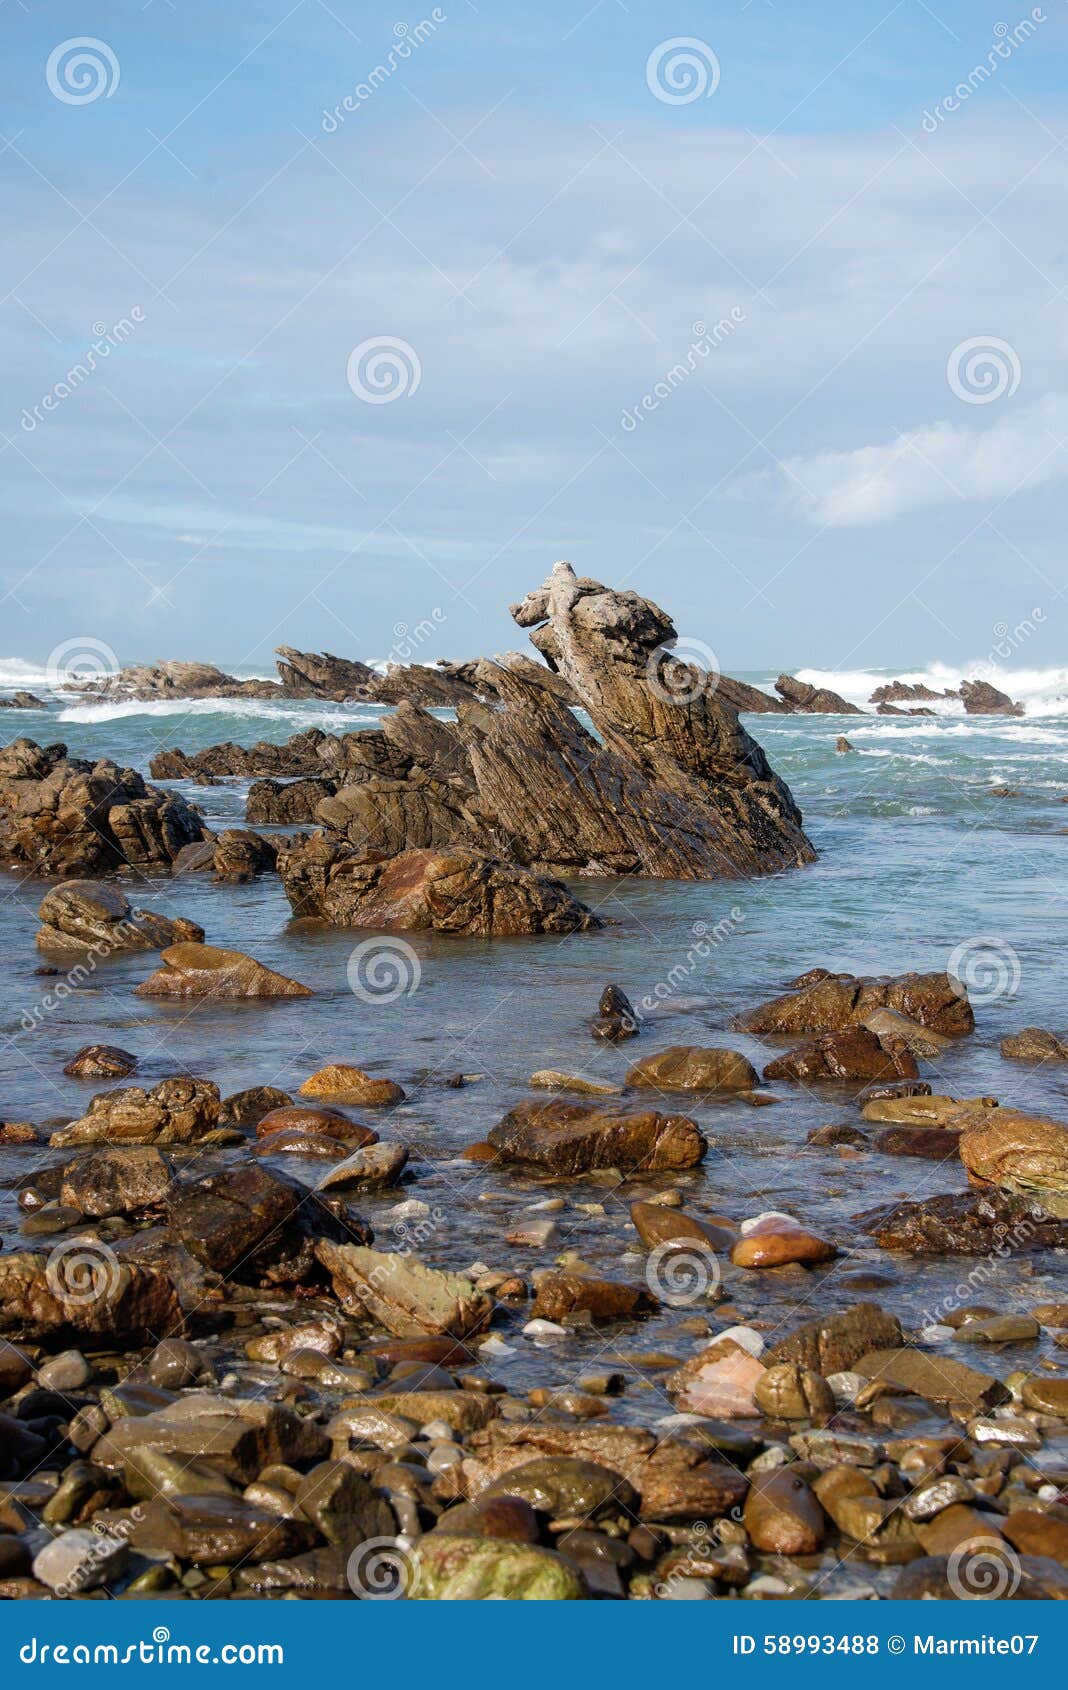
(66,818)
(305,674)
(83,915)
(1024,1154)
(810,700)
(677,786)
(459,890)
(232,857)
(852,1053)
(404,1296)
(983,699)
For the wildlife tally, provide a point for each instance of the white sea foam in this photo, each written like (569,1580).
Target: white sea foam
(1042,692)
(303,713)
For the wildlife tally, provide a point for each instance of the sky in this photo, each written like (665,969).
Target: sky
(334,326)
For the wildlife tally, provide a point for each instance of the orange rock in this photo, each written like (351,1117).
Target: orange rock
(329,1122)
(776,1243)
(351,1085)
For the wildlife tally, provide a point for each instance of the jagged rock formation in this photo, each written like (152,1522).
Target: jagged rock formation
(23,701)
(741,696)
(982,699)
(63,817)
(809,700)
(305,674)
(905,692)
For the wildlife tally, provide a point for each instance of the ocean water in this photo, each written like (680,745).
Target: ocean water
(918,863)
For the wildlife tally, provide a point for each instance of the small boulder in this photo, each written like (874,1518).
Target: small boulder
(694,1068)
(348,1084)
(101,1062)
(206,971)
(572,1138)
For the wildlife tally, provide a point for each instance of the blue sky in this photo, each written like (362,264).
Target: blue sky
(785,351)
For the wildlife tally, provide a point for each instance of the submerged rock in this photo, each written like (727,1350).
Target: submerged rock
(351,1085)
(694,1068)
(832,1002)
(459,890)
(206,971)
(572,1138)
(1036,1045)
(101,1062)
(83,915)
(615,1018)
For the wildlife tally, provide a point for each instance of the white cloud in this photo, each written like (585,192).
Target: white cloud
(941,463)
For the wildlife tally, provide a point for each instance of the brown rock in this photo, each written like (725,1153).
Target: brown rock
(782,1516)
(964,1224)
(833,1343)
(101,1062)
(776,1242)
(854,1053)
(788,1391)
(403,1295)
(1034,1045)
(82,1294)
(329,1123)
(691,1068)
(116,1181)
(560,1294)
(1024,1154)
(572,1138)
(177,1111)
(837,1001)
(247,1108)
(938,1378)
(1037,1534)
(658,1225)
(205,971)
(459,890)
(84,915)
(351,1085)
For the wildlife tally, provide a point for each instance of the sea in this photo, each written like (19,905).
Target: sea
(942,843)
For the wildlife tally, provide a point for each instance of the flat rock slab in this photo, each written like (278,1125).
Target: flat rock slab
(694,1068)
(399,1293)
(938,1378)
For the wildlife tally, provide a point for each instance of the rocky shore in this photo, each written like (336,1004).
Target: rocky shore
(217,1383)
(283,1342)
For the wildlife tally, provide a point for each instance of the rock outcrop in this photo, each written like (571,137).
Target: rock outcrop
(982,699)
(64,818)
(306,674)
(814,701)
(177,1111)
(457,890)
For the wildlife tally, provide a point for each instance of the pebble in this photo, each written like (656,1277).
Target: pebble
(66,1372)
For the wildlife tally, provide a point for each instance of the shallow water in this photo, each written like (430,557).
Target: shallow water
(916,858)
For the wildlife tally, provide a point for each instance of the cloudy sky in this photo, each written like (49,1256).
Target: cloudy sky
(391,310)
